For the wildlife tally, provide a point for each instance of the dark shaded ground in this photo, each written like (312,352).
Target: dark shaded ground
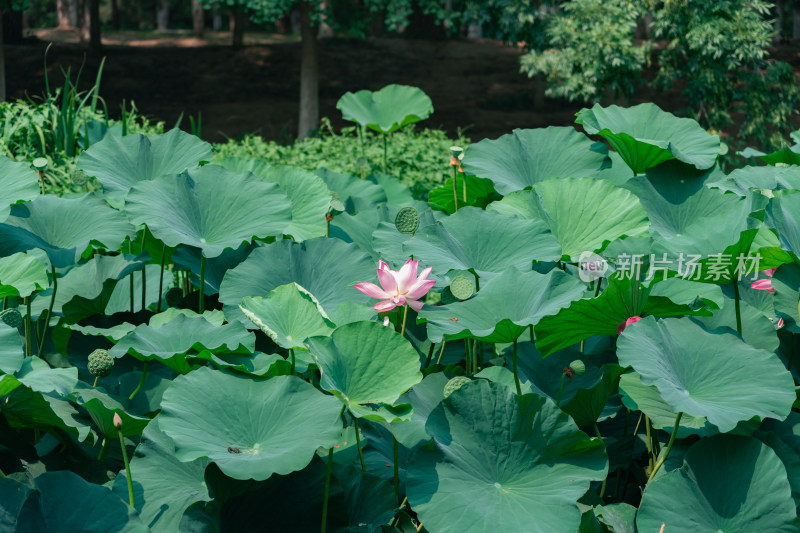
(474,85)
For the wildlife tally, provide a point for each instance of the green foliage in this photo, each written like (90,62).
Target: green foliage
(418,158)
(591,49)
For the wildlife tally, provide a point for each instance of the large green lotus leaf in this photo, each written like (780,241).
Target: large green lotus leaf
(327,268)
(710,374)
(37,374)
(685,292)
(727,483)
(522,159)
(784,439)
(26,408)
(502,462)
(784,213)
(12,349)
(12,499)
(617,517)
(207,208)
(482,241)
(423,397)
(161,505)
(369,498)
(645,136)
(622,299)
(62,227)
(308,194)
(766,177)
(18,183)
(786,282)
(276,424)
(757,330)
(102,408)
(21,274)
(120,298)
(386,110)
(685,216)
(637,396)
(497,313)
(181,335)
(356,194)
(544,373)
(584,214)
(119,162)
(367,366)
(588,405)
(788,155)
(65,503)
(288,315)
(480,192)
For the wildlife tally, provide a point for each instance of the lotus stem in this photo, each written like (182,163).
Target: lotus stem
(791,355)
(516,376)
(599,283)
(49,311)
(441,352)
(141,382)
(291,354)
(161,278)
(144,275)
(531,328)
(95,381)
(202,306)
(28,327)
(560,389)
(327,490)
(649,443)
(127,467)
(599,436)
(468,358)
(738,310)
(358,445)
(464,182)
(397,516)
(455,191)
(104,449)
(667,450)
(385,166)
(430,355)
(405,316)
(638,423)
(130,280)
(396,468)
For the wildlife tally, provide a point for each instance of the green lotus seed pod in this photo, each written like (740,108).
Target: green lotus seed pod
(100,363)
(456,151)
(462,287)
(336,202)
(40,163)
(79,177)
(447,297)
(454,384)
(174,297)
(11,317)
(578,367)
(407,220)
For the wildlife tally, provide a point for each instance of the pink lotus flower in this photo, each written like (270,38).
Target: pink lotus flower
(401,287)
(627,323)
(766,283)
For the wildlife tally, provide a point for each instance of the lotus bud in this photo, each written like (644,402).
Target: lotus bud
(407,220)
(117,421)
(462,287)
(627,323)
(11,317)
(578,367)
(100,363)
(454,384)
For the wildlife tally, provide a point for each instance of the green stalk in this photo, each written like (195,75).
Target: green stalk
(28,327)
(668,449)
(441,352)
(202,305)
(161,279)
(455,191)
(144,276)
(516,376)
(291,354)
(405,316)
(649,443)
(384,154)
(104,450)
(49,311)
(358,444)
(127,468)
(560,389)
(95,381)
(464,181)
(531,328)
(599,436)
(791,355)
(396,469)
(468,358)
(130,252)
(141,382)
(738,311)
(327,490)
(430,355)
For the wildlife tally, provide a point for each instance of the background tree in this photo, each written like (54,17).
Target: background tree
(6,6)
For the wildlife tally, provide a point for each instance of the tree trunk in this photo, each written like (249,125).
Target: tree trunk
(94,28)
(64,15)
(308,120)
(198,19)
(115,14)
(216,19)
(83,6)
(237,19)
(162,15)
(325,29)
(796,20)
(2,63)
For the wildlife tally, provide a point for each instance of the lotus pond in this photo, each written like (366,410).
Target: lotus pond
(585,329)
